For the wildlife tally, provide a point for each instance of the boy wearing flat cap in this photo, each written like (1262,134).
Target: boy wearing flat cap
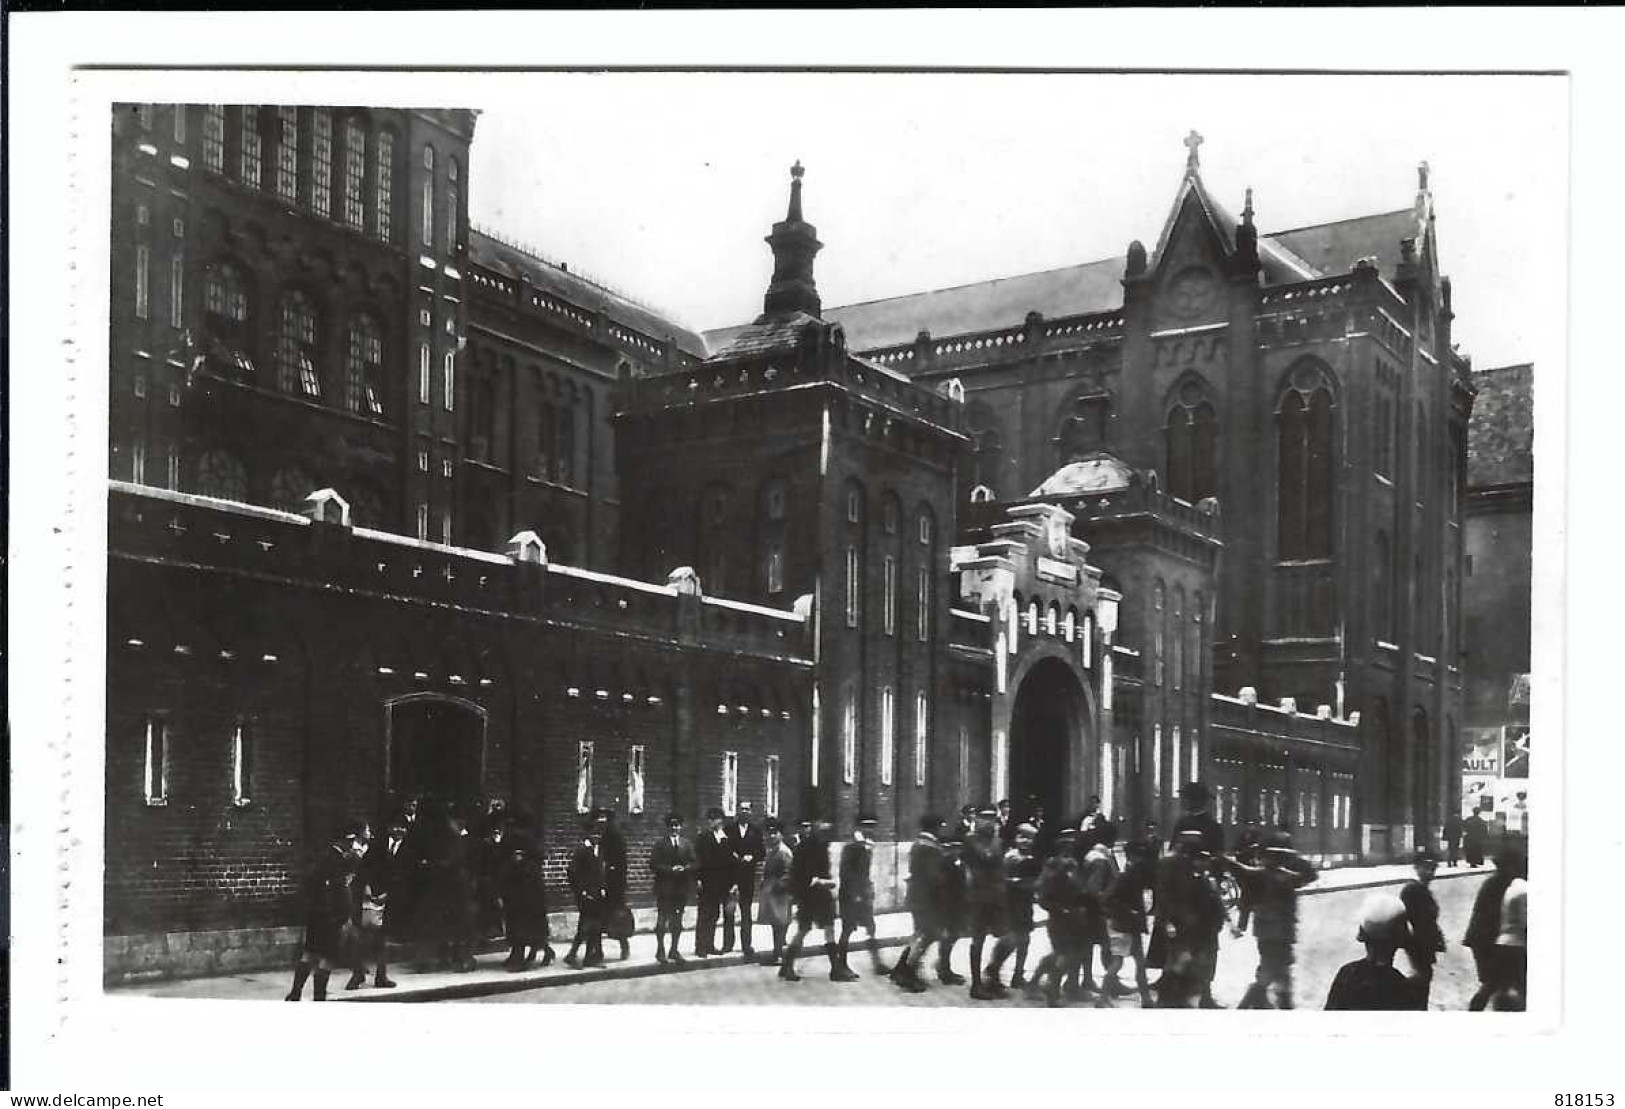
(857,893)
(672,860)
(718,866)
(1424,941)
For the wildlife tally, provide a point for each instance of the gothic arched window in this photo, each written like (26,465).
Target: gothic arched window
(1306,428)
(1192,438)
(296,347)
(1382,588)
(384,184)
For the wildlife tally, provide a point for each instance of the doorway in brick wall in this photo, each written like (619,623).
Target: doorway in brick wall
(1045,726)
(436,749)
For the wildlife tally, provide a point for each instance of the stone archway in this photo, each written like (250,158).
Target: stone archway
(435,747)
(1050,737)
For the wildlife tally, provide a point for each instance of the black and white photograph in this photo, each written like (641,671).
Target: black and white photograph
(836,544)
(1111,633)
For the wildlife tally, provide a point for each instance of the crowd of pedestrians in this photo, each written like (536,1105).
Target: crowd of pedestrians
(447,885)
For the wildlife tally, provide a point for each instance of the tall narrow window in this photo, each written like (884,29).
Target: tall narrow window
(730,782)
(1158,676)
(138,461)
(852,587)
(1305,490)
(922,598)
(287,152)
(1174,780)
(634,779)
(1193,770)
(423,373)
(775,568)
(321,161)
(155,762)
(143,113)
(180,123)
(888,741)
(172,477)
(177,290)
(1156,761)
(242,764)
(355,173)
(296,345)
(1178,636)
(1001,764)
(770,802)
(889,568)
(964,761)
(564,444)
(363,369)
(451,206)
(214,138)
(428,196)
(445,526)
(143,280)
(849,738)
(920,723)
(584,776)
(383,184)
(423,522)
(249,146)
(449,380)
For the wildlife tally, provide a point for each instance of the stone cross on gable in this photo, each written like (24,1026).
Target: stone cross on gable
(1192,142)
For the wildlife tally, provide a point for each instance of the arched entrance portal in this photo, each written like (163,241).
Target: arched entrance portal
(436,748)
(1048,728)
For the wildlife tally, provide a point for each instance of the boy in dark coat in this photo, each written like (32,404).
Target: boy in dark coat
(815,904)
(1484,926)
(926,875)
(1274,884)
(983,861)
(329,907)
(1190,914)
(586,877)
(1424,941)
(857,893)
(1021,870)
(1126,920)
(749,848)
(524,902)
(1061,893)
(951,908)
(672,860)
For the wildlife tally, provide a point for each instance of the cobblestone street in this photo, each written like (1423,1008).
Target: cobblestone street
(1326,941)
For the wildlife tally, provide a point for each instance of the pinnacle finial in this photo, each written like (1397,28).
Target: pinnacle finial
(1247,208)
(1422,177)
(1193,160)
(793,214)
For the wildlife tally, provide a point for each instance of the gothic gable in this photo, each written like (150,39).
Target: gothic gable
(1189,283)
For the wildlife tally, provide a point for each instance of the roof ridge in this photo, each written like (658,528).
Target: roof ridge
(971,284)
(1335,222)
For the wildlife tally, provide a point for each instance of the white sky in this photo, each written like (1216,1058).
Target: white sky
(663,185)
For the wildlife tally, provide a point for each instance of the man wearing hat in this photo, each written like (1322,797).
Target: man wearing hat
(926,877)
(1274,883)
(717,866)
(1193,802)
(587,879)
(983,856)
(748,847)
(672,860)
(777,900)
(857,894)
(1189,914)
(1424,941)
(815,903)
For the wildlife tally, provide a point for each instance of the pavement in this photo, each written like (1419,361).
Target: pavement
(491,980)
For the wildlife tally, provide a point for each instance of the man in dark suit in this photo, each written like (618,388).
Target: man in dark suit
(614,873)
(1007,825)
(672,860)
(383,881)
(748,848)
(717,867)
(586,877)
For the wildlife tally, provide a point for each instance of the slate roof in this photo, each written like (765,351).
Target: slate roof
(770,334)
(1501,433)
(1090,475)
(1324,249)
(551,277)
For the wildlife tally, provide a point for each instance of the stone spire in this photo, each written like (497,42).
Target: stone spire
(1247,234)
(794,242)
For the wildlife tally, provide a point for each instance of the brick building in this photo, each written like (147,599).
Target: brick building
(1193,513)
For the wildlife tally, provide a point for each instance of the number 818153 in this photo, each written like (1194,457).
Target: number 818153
(1583,1101)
